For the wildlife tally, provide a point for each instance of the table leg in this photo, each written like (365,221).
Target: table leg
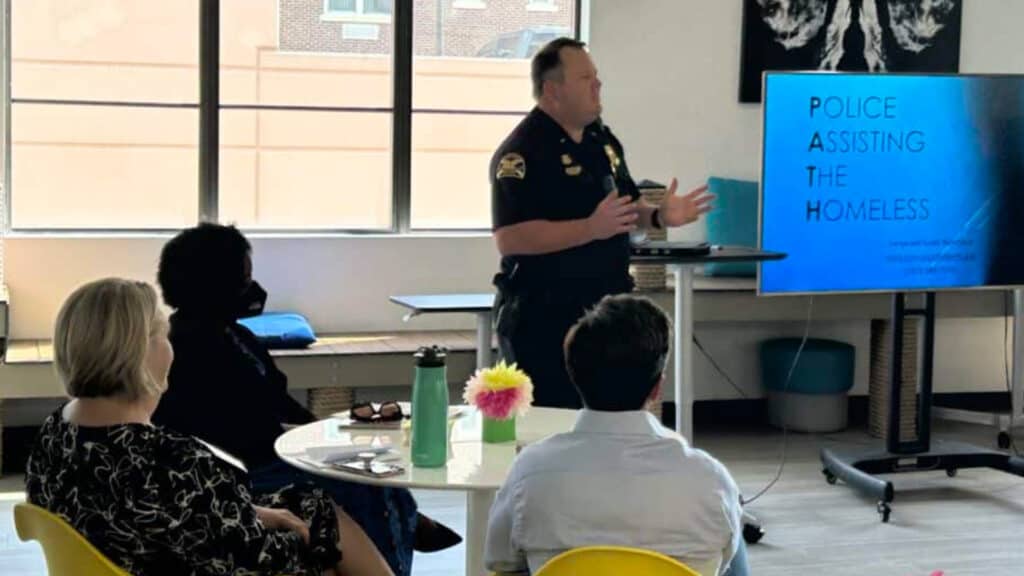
(684,350)
(478,508)
(483,338)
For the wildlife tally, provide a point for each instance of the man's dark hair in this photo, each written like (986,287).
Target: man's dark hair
(616,353)
(547,63)
(203,269)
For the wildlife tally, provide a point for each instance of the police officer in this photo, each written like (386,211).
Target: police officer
(563,206)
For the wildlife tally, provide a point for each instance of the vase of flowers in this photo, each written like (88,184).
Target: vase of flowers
(500,394)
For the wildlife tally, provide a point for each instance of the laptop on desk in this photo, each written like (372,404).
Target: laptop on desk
(665,248)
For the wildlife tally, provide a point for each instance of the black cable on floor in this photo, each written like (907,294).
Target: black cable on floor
(785,389)
(718,368)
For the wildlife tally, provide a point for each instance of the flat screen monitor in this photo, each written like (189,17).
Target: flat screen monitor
(892,182)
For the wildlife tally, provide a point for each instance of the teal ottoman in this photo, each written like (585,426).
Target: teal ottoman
(816,397)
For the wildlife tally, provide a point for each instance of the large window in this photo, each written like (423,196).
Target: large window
(305,121)
(471,86)
(336,115)
(103,114)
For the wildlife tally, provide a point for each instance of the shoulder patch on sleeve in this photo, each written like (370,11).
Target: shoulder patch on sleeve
(512,165)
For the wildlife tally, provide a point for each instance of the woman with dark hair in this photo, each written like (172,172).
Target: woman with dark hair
(227,390)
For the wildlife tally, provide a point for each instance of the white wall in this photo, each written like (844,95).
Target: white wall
(671,81)
(340,283)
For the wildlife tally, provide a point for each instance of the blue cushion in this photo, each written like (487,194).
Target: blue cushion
(281,329)
(732,222)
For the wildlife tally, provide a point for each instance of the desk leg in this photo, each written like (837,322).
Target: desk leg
(483,339)
(684,350)
(478,508)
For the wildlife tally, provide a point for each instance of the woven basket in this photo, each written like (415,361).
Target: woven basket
(878,388)
(323,402)
(651,277)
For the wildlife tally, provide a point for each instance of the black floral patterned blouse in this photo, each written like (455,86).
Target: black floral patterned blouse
(158,502)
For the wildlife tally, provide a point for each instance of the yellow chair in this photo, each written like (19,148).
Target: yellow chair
(67,552)
(613,561)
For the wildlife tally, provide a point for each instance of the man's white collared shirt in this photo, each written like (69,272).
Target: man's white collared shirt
(617,479)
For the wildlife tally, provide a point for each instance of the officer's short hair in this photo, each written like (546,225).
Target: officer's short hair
(101,339)
(547,63)
(202,269)
(616,353)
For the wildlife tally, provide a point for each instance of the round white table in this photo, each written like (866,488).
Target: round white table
(473,466)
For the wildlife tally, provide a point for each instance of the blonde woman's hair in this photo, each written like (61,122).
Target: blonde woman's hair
(101,339)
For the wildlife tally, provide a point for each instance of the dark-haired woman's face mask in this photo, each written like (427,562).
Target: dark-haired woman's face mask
(251,301)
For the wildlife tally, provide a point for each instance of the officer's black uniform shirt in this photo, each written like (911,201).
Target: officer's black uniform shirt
(540,173)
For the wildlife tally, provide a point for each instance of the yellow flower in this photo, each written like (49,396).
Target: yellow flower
(500,392)
(503,376)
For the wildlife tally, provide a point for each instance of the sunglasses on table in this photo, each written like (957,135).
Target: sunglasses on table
(387,412)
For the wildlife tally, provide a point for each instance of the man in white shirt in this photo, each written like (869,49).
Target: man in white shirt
(619,477)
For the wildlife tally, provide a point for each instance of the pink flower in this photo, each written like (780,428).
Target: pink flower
(501,392)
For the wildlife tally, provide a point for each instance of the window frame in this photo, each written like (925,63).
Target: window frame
(468,4)
(360,15)
(210,106)
(541,6)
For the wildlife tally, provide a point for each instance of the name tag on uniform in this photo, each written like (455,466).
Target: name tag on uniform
(573,170)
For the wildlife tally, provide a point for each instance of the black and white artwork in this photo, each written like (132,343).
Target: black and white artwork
(853,35)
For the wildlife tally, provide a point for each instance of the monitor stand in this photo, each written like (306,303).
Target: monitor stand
(858,468)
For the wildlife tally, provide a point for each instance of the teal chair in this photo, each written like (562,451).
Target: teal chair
(732,222)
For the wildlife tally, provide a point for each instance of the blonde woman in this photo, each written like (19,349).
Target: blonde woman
(155,501)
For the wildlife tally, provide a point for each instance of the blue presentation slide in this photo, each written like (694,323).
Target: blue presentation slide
(882,182)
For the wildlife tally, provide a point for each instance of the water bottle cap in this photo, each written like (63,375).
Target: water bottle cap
(431,356)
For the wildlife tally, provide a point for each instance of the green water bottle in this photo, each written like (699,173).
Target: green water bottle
(430,409)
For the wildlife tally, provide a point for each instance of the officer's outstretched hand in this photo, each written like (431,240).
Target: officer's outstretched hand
(680,210)
(614,215)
